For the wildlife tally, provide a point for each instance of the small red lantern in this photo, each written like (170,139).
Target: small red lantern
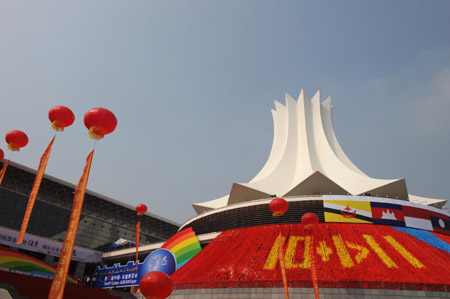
(278,206)
(99,121)
(310,219)
(16,139)
(156,285)
(61,117)
(141,209)
(2,155)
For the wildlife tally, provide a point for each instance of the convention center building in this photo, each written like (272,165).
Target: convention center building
(104,221)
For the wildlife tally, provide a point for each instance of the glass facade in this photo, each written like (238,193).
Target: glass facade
(103,220)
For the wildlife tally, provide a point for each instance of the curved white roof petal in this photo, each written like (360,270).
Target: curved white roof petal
(306,159)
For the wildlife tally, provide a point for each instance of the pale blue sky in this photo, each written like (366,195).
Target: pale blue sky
(192,84)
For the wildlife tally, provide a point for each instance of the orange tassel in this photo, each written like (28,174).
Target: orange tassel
(13,147)
(96,133)
(58,125)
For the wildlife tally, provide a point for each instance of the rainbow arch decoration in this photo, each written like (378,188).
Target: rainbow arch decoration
(15,261)
(184,245)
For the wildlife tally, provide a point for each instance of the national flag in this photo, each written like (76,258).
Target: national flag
(440,224)
(417,217)
(347,211)
(387,213)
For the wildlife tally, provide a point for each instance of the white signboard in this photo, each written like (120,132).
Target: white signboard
(42,245)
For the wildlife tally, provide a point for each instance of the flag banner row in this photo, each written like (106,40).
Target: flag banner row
(364,209)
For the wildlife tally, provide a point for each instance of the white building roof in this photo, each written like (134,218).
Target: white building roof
(306,159)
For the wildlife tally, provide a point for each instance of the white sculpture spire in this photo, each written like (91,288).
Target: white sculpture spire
(306,159)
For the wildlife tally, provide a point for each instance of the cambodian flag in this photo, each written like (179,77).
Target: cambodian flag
(387,213)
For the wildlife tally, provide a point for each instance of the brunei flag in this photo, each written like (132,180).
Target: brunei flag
(347,211)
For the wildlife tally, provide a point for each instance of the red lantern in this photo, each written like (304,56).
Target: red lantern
(310,219)
(16,139)
(278,206)
(61,117)
(156,285)
(99,121)
(2,155)
(141,209)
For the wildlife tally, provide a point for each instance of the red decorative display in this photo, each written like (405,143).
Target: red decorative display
(141,209)
(100,121)
(156,284)
(346,255)
(16,139)
(2,155)
(61,117)
(278,206)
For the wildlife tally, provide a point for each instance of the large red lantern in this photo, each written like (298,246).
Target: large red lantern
(310,219)
(156,285)
(2,155)
(278,206)
(61,117)
(16,139)
(141,209)
(99,121)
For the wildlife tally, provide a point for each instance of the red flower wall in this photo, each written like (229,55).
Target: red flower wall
(347,255)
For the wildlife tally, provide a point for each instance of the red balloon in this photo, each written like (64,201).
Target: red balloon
(100,121)
(16,139)
(141,209)
(309,219)
(278,206)
(61,117)
(2,155)
(156,284)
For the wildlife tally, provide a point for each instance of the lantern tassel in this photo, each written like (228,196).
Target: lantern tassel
(13,147)
(58,125)
(96,133)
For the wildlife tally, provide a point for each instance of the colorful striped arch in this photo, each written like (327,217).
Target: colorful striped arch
(184,245)
(15,261)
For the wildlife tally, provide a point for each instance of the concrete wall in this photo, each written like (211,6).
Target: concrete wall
(303,293)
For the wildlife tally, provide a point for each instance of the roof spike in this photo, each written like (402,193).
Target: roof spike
(327,102)
(306,158)
(302,96)
(316,97)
